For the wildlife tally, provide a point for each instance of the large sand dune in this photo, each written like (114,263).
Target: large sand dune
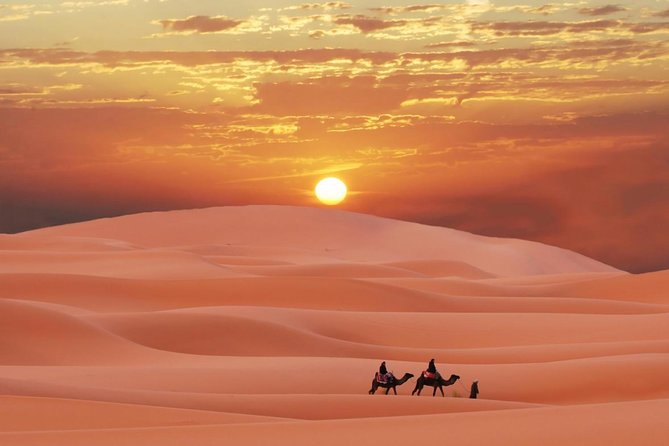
(265,325)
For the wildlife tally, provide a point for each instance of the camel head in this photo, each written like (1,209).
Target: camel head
(455,377)
(408,375)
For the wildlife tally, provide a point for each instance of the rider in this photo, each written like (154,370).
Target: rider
(431,368)
(383,373)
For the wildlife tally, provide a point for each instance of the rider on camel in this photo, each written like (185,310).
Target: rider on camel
(384,376)
(432,369)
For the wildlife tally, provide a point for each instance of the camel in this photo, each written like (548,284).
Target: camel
(391,385)
(438,383)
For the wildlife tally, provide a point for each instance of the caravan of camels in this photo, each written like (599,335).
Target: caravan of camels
(429,377)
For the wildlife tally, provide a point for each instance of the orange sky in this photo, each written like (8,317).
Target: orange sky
(538,120)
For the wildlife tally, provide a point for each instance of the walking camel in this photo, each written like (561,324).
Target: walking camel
(389,385)
(437,383)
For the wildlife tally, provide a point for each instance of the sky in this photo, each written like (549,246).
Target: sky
(538,120)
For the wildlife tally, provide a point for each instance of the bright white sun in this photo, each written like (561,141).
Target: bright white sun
(331,191)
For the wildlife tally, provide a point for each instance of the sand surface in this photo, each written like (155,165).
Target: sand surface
(265,325)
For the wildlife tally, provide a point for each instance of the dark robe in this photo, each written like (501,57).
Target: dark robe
(431,368)
(475,390)
(382,369)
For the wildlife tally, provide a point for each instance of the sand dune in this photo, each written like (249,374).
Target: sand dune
(55,414)
(378,295)
(610,424)
(351,270)
(336,234)
(442,268)
(62,244)
(233,331)
(136,264)
(36,334)
(651,287)
(265,325)
(577,381)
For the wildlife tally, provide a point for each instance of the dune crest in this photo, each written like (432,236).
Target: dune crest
(329,234)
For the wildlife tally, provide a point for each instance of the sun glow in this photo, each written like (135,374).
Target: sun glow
(331,191)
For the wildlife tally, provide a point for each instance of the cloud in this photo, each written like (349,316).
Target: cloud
(349,80)
(543,28)
(200,24)
(546,28)
(544,9)
(575,52)
(57,56)
(602,10)
(328,61)
(395,29)
(455,44)
(11,13)
(649,27)
(412,8)
(664,13)
(326,6)
(24,11)
(329,96)
(378,26)
(368,24)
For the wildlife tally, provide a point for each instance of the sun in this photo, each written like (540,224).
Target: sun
(331,191)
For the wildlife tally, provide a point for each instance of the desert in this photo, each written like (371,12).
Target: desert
(266,325)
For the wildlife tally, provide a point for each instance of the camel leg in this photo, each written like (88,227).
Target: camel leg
(395,390)
(441,389)
(434,392)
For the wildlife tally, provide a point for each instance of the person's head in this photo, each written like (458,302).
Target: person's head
(432,360)
(383,363)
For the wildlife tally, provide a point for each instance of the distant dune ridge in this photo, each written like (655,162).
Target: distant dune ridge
(329,235)
(265,325)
